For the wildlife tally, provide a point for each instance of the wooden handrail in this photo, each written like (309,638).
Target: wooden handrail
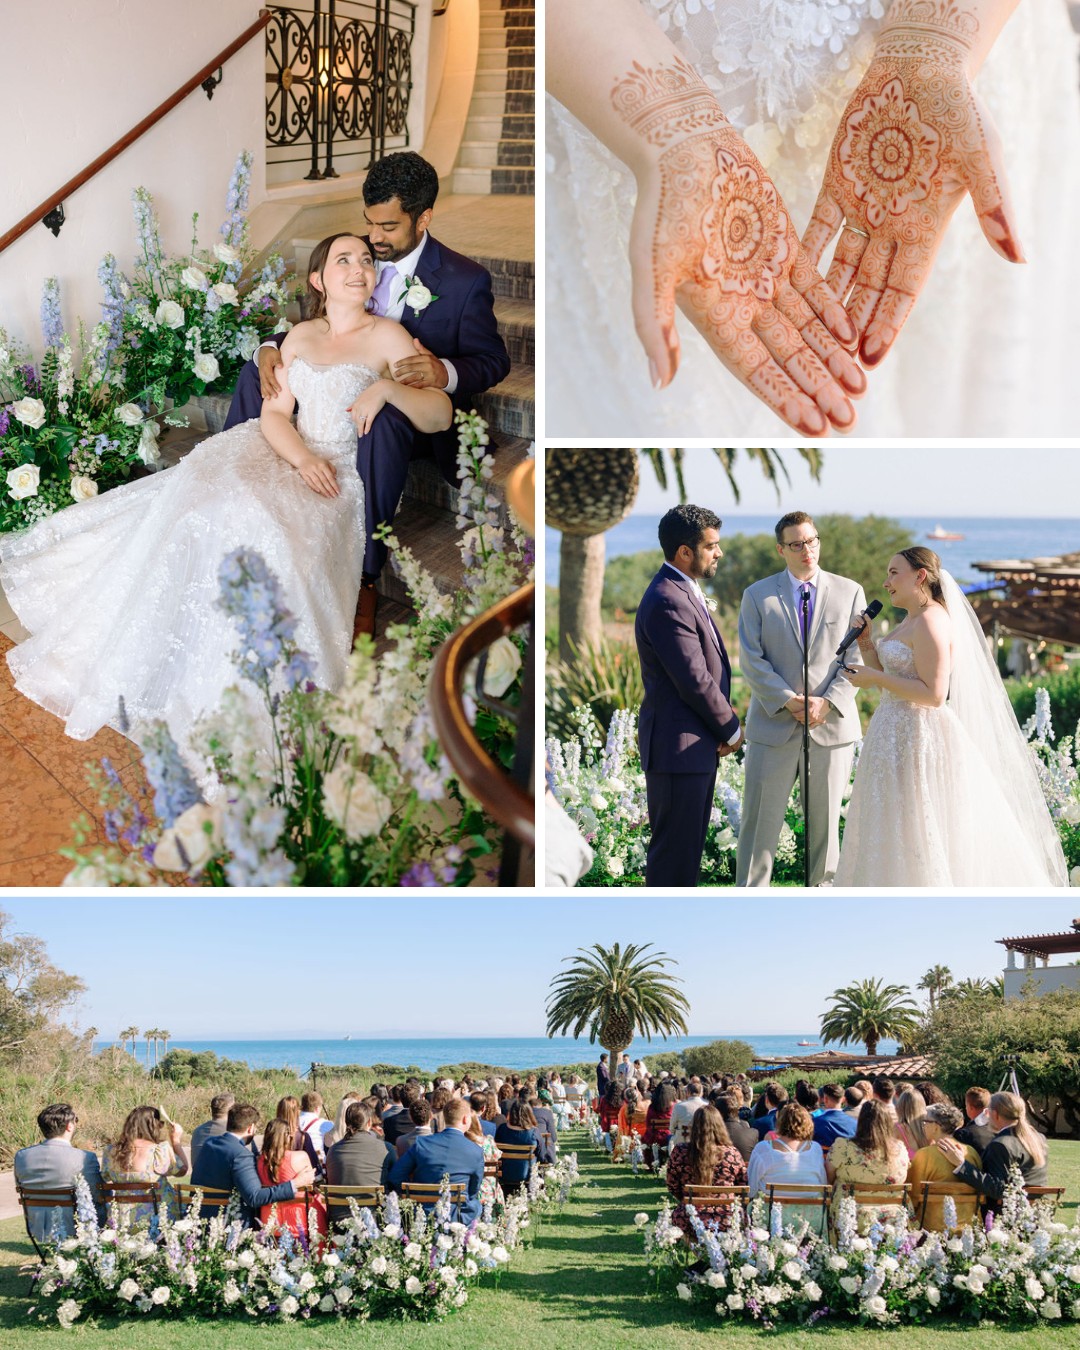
(500,796)
(118,147)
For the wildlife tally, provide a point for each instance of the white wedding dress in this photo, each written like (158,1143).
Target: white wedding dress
(118,592)
(988,350)
(948,796)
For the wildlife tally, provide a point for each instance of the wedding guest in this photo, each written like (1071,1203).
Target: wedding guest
(910,1111)
(288,1110)
(633,1114)
(831,1122)
(489,1187)
(854,1097)
(219,1116)
(790,1157)
(401,1123)
(741,1132)
(339,1130)
(279,1162)
(774,1098)
(884,1091)
(447,1153)
(708,1159)
(360,1158)
(683,1112)
(978,1131)
(54,1164)
(611,1105)
(931,1094)
(313,1120)
(520,1129)
(603,1074)
(226,1164)
(930,1164)
(440,1098)
(657,1132)
(865,1087)
(625,1071)
(420,1122)
(873,1156)
(1015,1144)
(546,1130)
(149,1149)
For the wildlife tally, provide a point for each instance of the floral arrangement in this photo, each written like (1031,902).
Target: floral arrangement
(345,789)
(64,435)
(1020,1265)
(601,786)
(186,325)
(628,1148)
(394,1261)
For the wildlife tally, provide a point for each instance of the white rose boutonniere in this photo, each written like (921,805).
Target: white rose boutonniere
(83,488)
(30,412)
(206,367)
(417,295)
(23,481)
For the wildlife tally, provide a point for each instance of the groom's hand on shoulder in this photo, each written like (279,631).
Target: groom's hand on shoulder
(269,363)
(422,371)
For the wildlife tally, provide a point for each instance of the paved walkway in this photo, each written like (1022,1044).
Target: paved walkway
(9,1206)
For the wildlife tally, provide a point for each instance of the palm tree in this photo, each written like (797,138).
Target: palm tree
(616,993)
(976,988)
(151,1035)
(870,1011)
(936,979)
(129,1034)
(165,1042)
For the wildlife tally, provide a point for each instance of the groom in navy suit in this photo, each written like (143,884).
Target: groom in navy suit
(445,303)
(686,722)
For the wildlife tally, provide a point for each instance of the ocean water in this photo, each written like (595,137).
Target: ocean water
(506,1052)
(985,539)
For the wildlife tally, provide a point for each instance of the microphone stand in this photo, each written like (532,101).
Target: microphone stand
(805,629)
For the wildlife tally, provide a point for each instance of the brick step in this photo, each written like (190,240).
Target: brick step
(500,58)
(511,278)
(509,407)
(427,487)
(517,182)
(504,127)
(497,154)
(430,534)
(517,327)
(510,16)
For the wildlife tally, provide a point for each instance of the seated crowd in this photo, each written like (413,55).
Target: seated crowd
(718,1132)
(392,1136)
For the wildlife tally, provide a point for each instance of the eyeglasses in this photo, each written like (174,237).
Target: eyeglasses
(801,544)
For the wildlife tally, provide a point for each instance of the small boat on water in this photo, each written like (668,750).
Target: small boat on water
(806,1042)
(943,536)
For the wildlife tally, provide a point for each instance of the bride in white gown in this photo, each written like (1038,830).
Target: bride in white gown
(987,350)
(946,792)
(119,592)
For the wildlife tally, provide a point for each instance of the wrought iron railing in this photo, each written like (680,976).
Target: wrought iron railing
(338,83)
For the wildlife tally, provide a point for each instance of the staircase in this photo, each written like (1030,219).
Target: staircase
(497,154)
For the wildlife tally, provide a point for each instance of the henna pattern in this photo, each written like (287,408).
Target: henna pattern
(664,103)
(911,143)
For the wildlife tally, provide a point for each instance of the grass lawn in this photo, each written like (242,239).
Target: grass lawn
(583,1281)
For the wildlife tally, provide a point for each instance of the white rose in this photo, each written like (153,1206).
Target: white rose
(226,253)
(1050,1309)
(413,1252)
(289,1306)
(716,1279)
(876,1306)
(793,1271)
(128,1289)
(503,664)
(470,1268)
(1033,1288)
(206,367)
(343,1294)
(170,314)
(640,1220)
(148,446)
(735,1302)
(129,413)
(30,412)
(748,1272)
(849,1284)
(353,801)
(83,488)
(933,1295)
(246,1259)
(412,1285)
(160,1295)
(500,1255)
(1071,812)
(226,291)
(193,278)
(197,832)
(378,1266)
(418,297)
(23,481)
(683,1291)
(812,1291)
(448,1275)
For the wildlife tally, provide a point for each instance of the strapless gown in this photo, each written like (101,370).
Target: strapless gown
(988,350)
(927,807)
(118,592)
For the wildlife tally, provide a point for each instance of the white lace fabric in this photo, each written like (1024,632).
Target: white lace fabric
(988,350)
(118,593)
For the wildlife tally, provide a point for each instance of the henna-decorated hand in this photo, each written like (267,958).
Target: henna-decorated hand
(912,142)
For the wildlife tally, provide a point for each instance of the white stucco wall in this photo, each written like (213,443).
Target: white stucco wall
(78,74)
(1044,980)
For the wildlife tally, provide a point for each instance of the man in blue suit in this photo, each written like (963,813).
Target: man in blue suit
(686,722)
(447,1153)
(454,331)
(226,1162)
(833,1122)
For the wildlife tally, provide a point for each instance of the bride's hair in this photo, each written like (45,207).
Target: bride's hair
(313,301)
(929,561)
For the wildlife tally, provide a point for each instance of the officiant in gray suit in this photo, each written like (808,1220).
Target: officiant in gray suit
(770,658)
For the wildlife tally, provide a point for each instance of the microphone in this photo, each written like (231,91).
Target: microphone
(872,610)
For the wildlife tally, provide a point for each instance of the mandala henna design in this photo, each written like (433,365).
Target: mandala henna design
(664,103)
(889,155)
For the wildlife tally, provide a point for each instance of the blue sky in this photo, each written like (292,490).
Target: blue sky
(215,968)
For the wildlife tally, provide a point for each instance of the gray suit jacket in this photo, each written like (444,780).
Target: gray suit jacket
(770,657)
(55,1163)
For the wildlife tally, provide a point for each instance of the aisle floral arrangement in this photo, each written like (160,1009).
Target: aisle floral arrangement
(395,1261)
(628,1149)
(1019,1266)
(313,788)
(600,784)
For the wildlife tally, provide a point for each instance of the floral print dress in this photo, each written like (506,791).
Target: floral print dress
(160,1164)
(729,1171)
(852,1165)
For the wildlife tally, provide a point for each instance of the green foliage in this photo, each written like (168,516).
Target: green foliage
(870,1011)
(201,1068)
(718,1057)
(1064,691)
(603,679)
(32,990)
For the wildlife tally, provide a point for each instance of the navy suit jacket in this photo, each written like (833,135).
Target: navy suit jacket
(685,715)
(226,1164)
(434,1156)
(832,1125)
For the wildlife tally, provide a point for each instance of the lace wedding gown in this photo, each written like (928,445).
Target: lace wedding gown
(929,807)
(988,350)
(118,592)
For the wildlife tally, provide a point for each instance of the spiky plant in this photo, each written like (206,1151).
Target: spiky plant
(615,993)
(870,1011)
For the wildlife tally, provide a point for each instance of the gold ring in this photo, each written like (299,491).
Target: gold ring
(855,230)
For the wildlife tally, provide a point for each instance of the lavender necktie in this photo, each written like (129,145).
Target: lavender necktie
(381,295)
(806,617)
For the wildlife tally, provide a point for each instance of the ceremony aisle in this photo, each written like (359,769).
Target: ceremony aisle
(583,1278)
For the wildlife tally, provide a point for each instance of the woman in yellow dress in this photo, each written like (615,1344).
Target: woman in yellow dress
(873,1157)
(930,1164)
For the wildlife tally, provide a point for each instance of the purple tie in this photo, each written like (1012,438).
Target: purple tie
(381,295)
(807,621)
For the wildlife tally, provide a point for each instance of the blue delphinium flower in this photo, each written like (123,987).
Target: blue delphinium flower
(419,874)
(251,594)
(112,307)
(174,788)
(149,233)
(52,323)
(234,227)
(5,421)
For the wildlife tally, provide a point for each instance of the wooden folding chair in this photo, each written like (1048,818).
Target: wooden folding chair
(966,1199)
(513,1153)
(426,1193)
(338,1197)
(716,1199)
(42,1197)
(806,1197)
(1054,1194)
(872,1195)
(212,1198)
(131,1192)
